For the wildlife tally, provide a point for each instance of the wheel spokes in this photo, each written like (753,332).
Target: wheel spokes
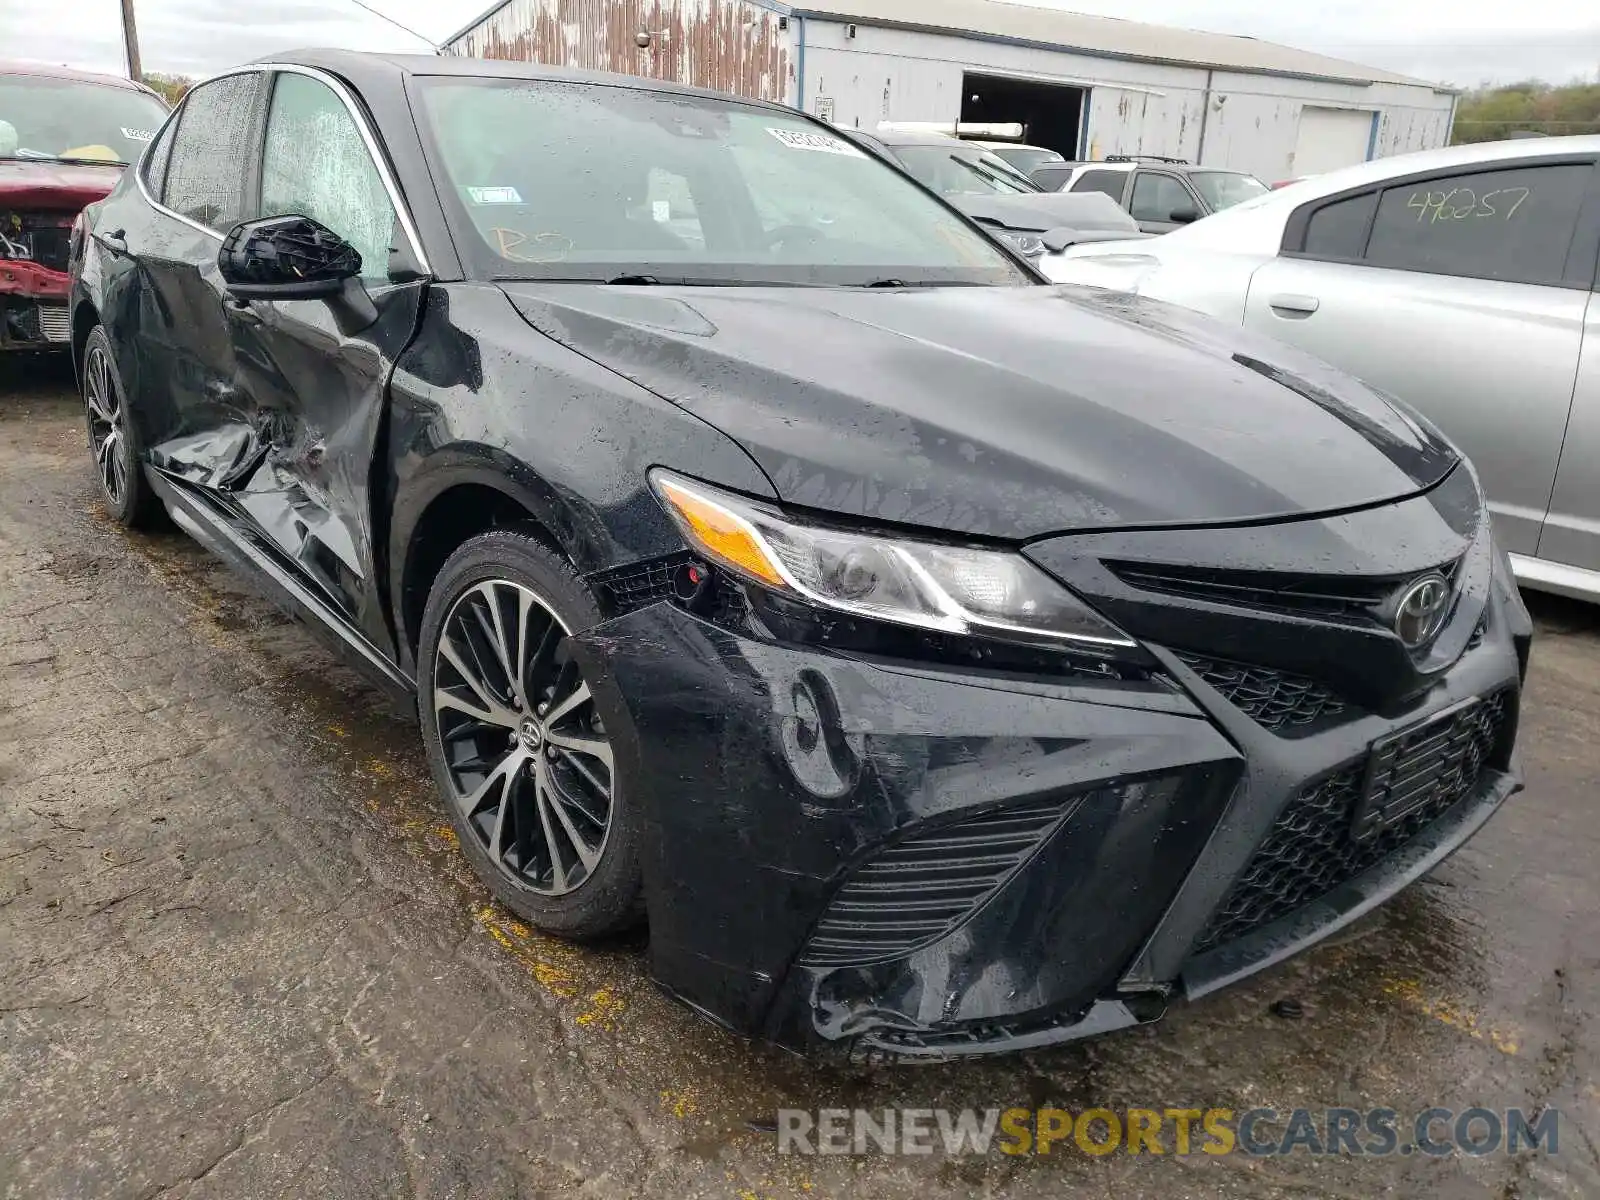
(593,747)
(528,758)
(475,801)
(482,705)
(491,625)
(109,455)
(552,804)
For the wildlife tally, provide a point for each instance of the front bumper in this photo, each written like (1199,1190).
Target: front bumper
(33,307)
(904,860)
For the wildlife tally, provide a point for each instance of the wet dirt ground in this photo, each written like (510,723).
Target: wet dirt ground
(240,954)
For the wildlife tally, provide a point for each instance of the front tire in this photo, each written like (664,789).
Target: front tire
(520,755)
(114,439)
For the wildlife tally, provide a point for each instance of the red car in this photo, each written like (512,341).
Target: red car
(65,138)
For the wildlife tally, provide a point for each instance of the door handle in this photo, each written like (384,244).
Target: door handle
(1294,307)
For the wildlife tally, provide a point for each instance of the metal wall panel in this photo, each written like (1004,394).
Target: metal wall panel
(726,45)
(1249,122)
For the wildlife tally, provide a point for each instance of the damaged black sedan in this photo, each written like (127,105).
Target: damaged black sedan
(940,661)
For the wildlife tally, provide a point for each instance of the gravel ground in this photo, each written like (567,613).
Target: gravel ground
(243,956)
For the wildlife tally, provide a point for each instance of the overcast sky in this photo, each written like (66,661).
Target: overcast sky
(1455,41)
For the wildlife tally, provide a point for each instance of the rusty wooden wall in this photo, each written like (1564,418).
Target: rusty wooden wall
(727,45)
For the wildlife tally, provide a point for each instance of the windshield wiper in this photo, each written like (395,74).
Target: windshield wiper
(56,158)
(921,283)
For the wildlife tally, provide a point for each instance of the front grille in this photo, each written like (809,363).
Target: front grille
(1326,597)
(53,323)
(1312,847)
(1276,700)
(917,890)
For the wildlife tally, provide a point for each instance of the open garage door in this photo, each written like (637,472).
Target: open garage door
(1331,138)
(1051,114)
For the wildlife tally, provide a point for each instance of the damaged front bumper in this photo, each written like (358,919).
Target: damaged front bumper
(33,307)
(891,859)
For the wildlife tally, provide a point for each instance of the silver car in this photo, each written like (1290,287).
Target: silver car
(1462,281)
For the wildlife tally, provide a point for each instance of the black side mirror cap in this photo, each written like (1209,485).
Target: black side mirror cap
(286,258)
(1185,215)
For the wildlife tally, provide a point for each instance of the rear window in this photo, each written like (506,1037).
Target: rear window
(69,119)
(1339,230)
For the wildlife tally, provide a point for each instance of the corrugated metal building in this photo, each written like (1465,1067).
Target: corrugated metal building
(1090,87)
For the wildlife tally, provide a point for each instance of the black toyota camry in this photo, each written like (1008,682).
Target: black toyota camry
(941,662)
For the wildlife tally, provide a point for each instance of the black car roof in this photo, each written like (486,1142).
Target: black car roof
(363,69)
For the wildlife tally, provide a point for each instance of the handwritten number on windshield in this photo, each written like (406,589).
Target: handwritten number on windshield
(1462,202)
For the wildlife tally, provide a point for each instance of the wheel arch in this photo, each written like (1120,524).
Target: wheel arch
(85,316)
(476,491)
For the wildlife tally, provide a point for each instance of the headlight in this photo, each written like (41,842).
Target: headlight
(1027,244)
(951,589)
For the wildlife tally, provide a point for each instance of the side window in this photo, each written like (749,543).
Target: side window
(1051,178)
(204,179)
(1515,225)
(153,166)
(1156,197)
(1109,182)
(1339,230)
(315,164)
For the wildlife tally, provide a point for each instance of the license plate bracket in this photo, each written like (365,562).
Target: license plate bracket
(1405,769)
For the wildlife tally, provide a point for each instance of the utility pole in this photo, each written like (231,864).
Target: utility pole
(130,42)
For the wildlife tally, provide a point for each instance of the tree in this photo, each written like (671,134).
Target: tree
(1491,113)
(171,87)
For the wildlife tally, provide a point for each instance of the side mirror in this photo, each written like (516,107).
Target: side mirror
(286,258)
(1184,215)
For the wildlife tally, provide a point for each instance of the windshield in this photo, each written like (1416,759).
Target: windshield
(556,180)
(957,170)
(1027,159)
(43,117)
(1224,189)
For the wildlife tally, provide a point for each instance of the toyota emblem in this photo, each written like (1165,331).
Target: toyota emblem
(1422,609)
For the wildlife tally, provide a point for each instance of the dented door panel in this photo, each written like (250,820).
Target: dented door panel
(318,397)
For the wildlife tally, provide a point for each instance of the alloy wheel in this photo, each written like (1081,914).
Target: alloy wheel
(528,758)
(106,436)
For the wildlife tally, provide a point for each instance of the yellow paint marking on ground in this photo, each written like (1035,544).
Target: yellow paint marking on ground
(338,731)
(538,955)
(604,1006)
(680,1102)
(1410,994)
(445,834)
(376,766)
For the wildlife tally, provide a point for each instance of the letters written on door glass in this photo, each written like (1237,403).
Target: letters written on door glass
(1513,225)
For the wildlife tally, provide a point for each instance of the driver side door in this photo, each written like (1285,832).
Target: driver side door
(317,372)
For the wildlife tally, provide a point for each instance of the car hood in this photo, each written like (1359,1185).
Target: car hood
(1002,412)
(1041,212)
(43,184)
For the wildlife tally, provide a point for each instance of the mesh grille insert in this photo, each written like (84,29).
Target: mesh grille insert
(918,889)
(1276,700)
(640,584)
(1310,849)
